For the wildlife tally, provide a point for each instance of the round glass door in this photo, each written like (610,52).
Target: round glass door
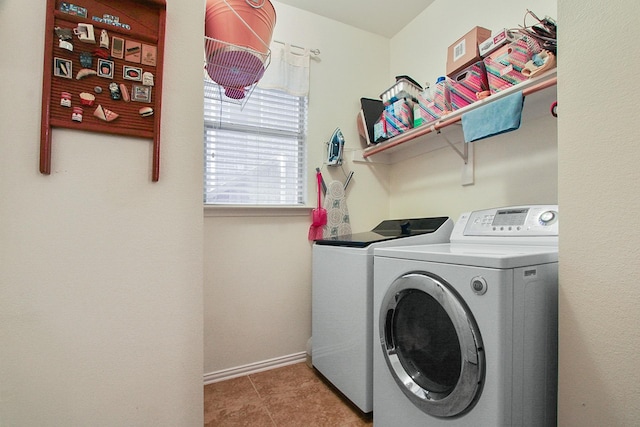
(432,345)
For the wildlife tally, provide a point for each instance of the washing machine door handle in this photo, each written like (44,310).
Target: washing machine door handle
(432,345)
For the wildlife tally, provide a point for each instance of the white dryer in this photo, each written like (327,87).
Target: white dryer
(342,300)
(466,332)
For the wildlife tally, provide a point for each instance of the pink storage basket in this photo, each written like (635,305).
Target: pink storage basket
(398,117)
(466,85)
(441,104)
(424,110)
(504,66)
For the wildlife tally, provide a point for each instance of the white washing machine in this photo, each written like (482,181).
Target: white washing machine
(466,332)
(342,300)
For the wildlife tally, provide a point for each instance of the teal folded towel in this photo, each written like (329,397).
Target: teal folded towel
(496,117)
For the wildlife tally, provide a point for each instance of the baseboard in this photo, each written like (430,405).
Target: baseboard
(252,368)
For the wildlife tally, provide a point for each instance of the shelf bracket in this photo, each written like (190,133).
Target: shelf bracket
(464,155)
(467,157)
(468,169)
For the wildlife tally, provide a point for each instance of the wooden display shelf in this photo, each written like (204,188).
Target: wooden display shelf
(138,24)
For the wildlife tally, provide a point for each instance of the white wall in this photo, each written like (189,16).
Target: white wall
(598,191)
(515,168)
(101,269)
(257,265)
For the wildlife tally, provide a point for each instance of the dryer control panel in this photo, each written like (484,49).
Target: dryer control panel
(538,222)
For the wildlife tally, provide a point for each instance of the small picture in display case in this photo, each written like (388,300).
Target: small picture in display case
(140,93)
(149,54)
(132,73)
(117,47)
(62,68)
(132,51)
(105,68)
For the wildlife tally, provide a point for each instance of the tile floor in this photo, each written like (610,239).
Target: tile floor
(291,396)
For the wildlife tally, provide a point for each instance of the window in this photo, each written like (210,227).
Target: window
(254,155)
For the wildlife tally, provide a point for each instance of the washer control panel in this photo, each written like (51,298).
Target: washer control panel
(516,221)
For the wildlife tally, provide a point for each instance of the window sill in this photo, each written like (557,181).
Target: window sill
(255,211)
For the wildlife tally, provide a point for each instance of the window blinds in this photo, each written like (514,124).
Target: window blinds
(255,155)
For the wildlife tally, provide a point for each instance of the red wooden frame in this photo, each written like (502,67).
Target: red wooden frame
(139,21)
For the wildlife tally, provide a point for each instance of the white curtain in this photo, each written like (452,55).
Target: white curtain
(288,71)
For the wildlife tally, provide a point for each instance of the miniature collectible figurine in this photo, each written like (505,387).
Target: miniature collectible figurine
(115,91)
(76,116)
(147,78)
(65,36)
(124,92)
(104,114)
(85,72)
(87,98)
(104,39)
(65,99)
(85,33)
(86,60)
(146,111)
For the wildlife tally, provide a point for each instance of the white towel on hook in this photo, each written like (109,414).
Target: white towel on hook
(337,212)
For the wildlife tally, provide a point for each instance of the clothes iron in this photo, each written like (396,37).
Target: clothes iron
(335,147)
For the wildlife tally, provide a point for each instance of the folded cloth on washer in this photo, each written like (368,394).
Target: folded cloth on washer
(496,117)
